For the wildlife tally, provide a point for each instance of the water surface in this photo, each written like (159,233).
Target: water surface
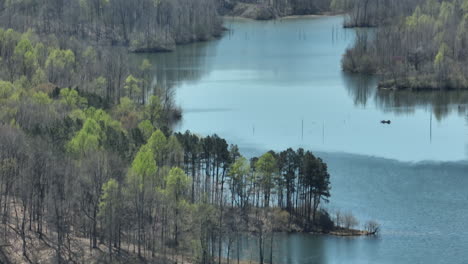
(279,84)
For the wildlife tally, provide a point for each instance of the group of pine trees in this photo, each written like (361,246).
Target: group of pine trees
(425,48)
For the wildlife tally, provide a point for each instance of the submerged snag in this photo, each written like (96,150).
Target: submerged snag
(372,227)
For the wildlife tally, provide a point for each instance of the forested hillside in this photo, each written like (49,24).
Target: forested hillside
(72,173)
(143,25)
(270,9)
(424,50)
(372,13)
(93,173)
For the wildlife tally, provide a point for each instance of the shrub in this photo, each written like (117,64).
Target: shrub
(325,221)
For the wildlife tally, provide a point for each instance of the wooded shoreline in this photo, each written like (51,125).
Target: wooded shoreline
(420,45)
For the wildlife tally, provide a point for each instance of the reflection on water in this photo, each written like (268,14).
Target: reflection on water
(304,248)
(442,103)
(360,87)
(363,89)
(187,65)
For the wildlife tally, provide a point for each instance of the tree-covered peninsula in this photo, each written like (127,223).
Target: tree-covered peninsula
(425,48)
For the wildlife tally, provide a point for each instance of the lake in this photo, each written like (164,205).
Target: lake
(278,84)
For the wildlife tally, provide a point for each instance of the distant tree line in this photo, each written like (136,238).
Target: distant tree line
(144,25)
(424,50)
(269,9)
(104,77)
(372,13)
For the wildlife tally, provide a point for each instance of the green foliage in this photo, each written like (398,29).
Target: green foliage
(175,151)
(419,20)
(153,110)
(145,65)
(267,169)
(42,98)
(125,107)
(60,59)
(157,143)
(72,99)
(238,174)
(41,53)
(143,168)
(77,114)
(60,64)
(127,113)
(132,86)
(177,185)
(90,55)
(38,78)
(441,55)
(6,90)
(8,95)
(110,198)
(146,129)
(447,10)
(266,166)
(25,55)
(239,168)
(103,118)
(110,205)
(87,140)
(22,83)
(98,85)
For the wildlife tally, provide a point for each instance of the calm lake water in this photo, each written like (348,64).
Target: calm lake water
(279,84)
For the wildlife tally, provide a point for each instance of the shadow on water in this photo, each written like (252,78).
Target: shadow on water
(188,64)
